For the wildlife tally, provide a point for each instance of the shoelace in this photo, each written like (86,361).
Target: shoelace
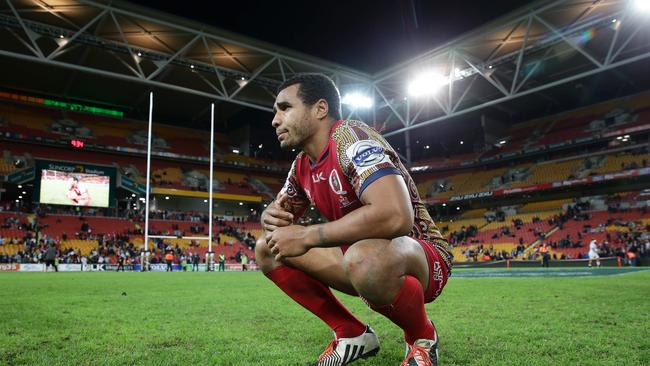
(420,355)
(328,350)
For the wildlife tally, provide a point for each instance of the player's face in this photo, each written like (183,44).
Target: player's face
(293,120)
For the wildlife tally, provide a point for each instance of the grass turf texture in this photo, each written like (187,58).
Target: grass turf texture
(243,319)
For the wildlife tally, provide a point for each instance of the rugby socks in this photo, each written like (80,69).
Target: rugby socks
(407,311)
(314,296)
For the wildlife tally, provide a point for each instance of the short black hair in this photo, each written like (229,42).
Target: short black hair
(314,87)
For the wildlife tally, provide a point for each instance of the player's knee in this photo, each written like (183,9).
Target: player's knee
(361,267)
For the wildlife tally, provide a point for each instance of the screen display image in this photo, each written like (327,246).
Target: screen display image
(76,189)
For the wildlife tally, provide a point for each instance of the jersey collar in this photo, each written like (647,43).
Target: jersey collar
(326,150)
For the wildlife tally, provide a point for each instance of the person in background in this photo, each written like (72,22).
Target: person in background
(195,262)
(169,258)
(593,253)
(244,262)
(51,258)
(545,253)
(222,262)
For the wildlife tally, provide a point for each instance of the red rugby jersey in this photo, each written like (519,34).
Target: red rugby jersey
(355,156)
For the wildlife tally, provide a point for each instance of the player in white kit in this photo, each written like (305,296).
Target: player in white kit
(593,253)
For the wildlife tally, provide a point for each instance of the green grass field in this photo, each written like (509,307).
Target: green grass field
(243,319)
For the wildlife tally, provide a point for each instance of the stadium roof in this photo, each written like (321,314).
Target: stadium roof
(115,52)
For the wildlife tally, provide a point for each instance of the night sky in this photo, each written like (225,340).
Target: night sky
(352,33)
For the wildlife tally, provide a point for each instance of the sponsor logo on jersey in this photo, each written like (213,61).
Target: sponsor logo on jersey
(365,153)
(335,183)
(437,272)
(317,177)
(437,277)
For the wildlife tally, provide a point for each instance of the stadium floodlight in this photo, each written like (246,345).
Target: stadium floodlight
(502,142)
(642,5)
(235,151)
(205,201)
(427,147)
(132,194)
(457,208)
(24,192)
(462,142)
(17,201)
(444,205)
(166,197)
(260,146)
(427,83)
(20,186)
(241,203)
(21,197)
(357,100)
(626,136)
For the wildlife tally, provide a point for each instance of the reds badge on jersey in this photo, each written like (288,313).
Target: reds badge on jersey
(335,183)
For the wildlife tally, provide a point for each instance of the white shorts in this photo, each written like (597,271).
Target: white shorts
(593,255)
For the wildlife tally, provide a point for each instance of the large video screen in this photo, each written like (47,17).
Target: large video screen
(76,189)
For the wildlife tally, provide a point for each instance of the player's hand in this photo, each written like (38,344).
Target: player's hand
(276,215)
(288,241)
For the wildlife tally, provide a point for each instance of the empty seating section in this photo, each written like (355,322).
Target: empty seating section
(167,177)
(618,162)
(57,225)
(34,121)
(83,247)
(450,226)
(466,182)
(6,167)
(475,213)
(470,182)
(552,172)
(29,120)
(554,205)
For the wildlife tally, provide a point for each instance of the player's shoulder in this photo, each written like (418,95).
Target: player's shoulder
(351,127)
